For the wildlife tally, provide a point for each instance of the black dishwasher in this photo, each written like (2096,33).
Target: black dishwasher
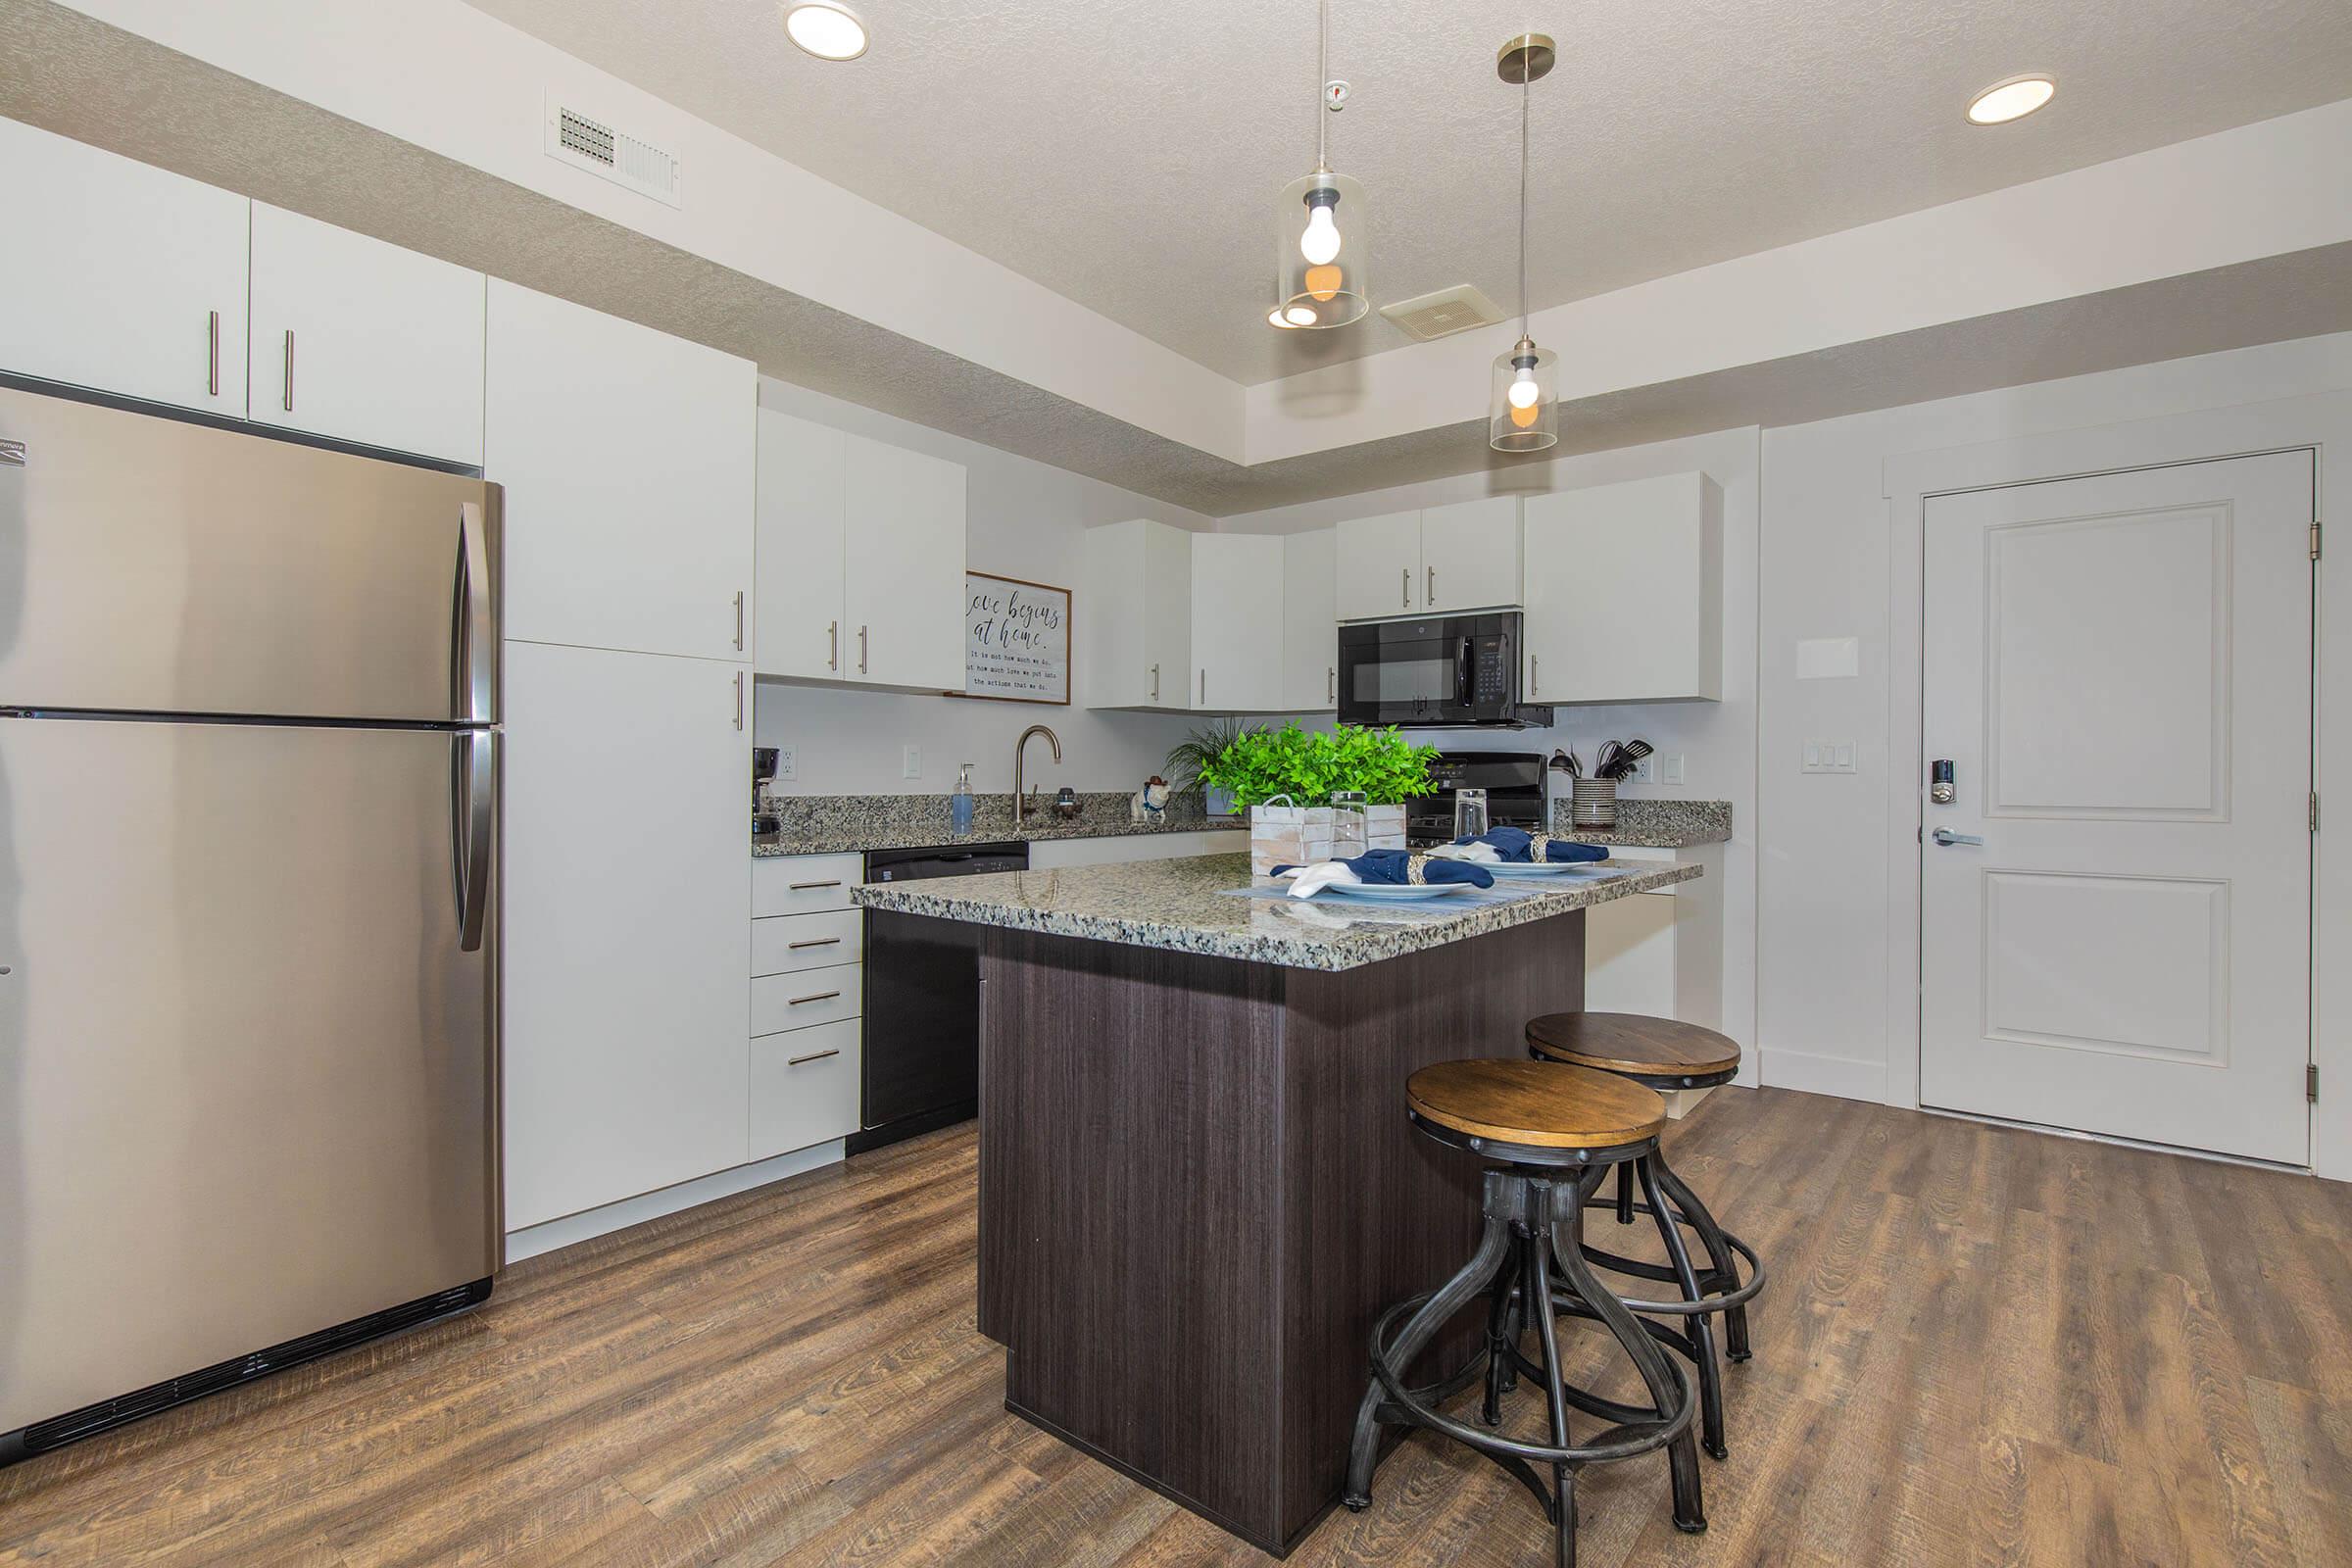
(922,999)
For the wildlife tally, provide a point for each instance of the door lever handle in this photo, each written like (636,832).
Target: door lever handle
(1947,838)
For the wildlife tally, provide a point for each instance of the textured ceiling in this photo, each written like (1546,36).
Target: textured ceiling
(1126,153)
(62,70)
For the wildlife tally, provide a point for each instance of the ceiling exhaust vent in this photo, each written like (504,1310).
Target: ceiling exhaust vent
(597,145)
(1442,315)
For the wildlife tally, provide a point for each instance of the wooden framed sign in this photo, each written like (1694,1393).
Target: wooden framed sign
(1016,640)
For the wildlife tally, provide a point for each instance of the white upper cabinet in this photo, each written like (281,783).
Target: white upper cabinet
(1459,556)
(1238,622)
(1310,643)
(1470,555)
(903,566)
(801,546)
(1135,615)
(362,341)
(120,277)
(627,457)
(861,559)
(1625,592)
(1379,569)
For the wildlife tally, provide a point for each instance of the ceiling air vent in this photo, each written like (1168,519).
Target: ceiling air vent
(597,145)
(1446,311)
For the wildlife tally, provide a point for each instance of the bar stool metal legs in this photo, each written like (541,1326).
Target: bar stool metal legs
(1534,1225)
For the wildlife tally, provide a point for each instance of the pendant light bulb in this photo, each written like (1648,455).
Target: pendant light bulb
(1320,244)
(1525,394)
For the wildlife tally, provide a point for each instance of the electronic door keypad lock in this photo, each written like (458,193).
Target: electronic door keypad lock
(1939,782)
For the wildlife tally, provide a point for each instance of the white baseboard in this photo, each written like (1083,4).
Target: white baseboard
(555,1233)
(1840,1076)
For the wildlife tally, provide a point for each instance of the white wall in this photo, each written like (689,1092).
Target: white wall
(1716,739)
(1023,521)
(1825,847)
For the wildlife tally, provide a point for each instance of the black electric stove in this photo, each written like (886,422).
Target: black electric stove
(1515,786)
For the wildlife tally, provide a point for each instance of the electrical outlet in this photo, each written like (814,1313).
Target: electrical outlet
(787,766)
(1646,771)
(912,765)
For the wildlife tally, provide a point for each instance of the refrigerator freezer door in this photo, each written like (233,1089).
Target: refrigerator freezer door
(248,1070)
(153,565)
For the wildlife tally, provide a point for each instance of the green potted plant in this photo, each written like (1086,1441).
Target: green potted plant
(1194,756)
(1286,778)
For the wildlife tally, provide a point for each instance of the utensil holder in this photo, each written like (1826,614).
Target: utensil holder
(1593,802)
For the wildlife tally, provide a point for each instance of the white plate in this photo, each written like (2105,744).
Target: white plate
(1394,892)
(1539,867)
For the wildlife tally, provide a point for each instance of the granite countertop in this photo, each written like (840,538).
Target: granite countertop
(1652,824)
(1185,906)
(843,824)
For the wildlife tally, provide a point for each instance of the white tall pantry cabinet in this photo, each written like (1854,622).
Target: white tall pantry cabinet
(627,459)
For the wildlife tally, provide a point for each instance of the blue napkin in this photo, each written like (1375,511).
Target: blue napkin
(1515,845)
(1395,868)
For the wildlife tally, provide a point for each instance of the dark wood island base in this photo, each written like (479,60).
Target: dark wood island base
(1199,1189)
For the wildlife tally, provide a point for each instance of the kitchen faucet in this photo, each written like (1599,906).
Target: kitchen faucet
(1021,748)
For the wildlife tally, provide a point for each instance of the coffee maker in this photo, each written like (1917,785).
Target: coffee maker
(764,773)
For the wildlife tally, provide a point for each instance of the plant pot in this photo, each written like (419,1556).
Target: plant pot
(1592,803)
(1289,835)
(1383,827)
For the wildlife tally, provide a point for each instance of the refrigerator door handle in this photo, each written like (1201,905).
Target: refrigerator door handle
(472,793)
(471,645)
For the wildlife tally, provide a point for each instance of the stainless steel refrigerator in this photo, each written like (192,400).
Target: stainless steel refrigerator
(248,907)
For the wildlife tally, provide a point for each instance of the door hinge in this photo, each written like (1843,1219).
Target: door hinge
(2315,541)
(2311,1082)
(2314,810)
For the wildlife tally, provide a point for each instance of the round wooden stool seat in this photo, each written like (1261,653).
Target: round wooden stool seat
(1632,1044)
(1535,1105)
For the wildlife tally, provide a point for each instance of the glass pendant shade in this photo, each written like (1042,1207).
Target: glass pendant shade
(1523,412)
(1322,241)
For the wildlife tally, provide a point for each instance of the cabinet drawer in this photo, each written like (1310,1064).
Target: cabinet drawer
(804,1087)
(783,942)
(799,884)
(808,997)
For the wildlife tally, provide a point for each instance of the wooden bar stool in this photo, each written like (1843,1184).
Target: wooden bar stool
(1665,1054)
(1547,1134)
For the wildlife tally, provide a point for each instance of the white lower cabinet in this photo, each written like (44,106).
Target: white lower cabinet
(628,926)
(804,1087)
(1052,855)
(807,1002)
(1628,956)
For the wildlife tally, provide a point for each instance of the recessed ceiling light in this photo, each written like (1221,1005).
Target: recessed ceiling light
(2009,100)
(824,29)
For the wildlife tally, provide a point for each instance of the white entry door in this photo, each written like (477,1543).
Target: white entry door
(2119,669)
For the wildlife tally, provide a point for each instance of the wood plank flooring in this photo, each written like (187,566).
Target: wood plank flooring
(1979,1345)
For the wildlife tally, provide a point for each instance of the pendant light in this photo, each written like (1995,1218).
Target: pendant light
(1524,410)
(1321,236)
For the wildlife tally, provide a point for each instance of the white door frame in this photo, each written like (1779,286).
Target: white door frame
(2323,423)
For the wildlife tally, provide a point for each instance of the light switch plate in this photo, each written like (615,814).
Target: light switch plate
(1671,770)
(1829,756)
(788,766)
(913,765)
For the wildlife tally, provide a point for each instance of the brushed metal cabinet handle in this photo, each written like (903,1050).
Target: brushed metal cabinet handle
(813,942)
(804,887)
(833,645)
(212,354)
(739,621)
(861,650)
(1430,598)
(816,996)
(1404,586)
(1205,685)
(813,1056)
(1535,675)
(1330,683)
(739,699)
(289,398)
(1156,683)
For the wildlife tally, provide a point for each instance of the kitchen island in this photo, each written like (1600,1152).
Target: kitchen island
(1198,1186)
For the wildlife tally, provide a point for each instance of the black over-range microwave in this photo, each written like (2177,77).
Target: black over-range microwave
(1443,672)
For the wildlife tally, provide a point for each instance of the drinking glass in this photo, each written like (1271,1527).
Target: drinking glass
(1469,814)
(1350,834)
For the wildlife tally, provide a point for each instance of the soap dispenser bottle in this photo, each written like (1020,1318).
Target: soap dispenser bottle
(959,804)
